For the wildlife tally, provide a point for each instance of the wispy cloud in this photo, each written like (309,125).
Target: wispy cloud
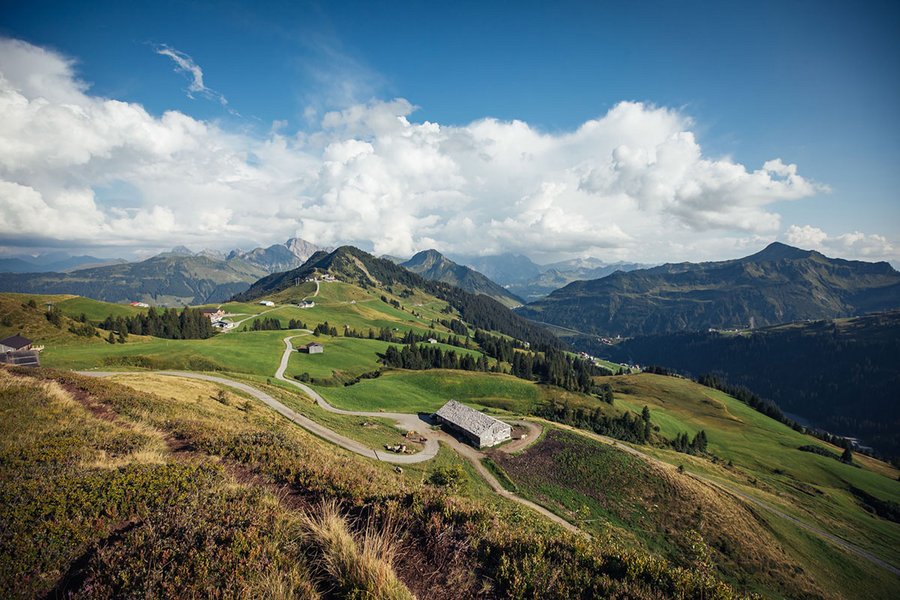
(185,65)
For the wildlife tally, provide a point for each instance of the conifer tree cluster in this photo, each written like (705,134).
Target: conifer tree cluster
(627,427)
(683,443)
(189,324)
(425,356)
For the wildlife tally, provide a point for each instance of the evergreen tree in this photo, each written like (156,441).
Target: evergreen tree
(847,456)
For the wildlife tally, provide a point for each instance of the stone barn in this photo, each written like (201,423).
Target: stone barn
(313,348)
(478,428)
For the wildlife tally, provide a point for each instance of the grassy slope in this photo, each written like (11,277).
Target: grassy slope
(754,443)
(766,461)
(18,318)
(610,492)
(256,352)
(121,493)
(426,391)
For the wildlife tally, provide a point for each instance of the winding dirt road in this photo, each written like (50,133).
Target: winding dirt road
(405,420)
(422,425)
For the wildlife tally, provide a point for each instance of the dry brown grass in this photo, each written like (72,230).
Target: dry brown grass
(360,566)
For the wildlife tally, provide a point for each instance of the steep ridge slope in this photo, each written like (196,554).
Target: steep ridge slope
(361,268)
(432,265)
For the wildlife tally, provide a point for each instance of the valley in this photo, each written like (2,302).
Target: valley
(768,517)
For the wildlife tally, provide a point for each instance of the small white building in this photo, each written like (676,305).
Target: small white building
(306,304)
(267,303)
(432,341)
(478,428)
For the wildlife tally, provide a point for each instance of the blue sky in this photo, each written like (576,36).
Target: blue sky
(813,84)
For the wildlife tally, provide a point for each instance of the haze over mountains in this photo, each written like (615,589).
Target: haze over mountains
(171,278)
(776,285)
(52,262)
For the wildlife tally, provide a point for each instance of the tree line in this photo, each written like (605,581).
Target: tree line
(425,356)
(189,324)
(627,426)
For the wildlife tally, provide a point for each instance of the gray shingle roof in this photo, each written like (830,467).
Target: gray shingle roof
(466,418)
(16,341)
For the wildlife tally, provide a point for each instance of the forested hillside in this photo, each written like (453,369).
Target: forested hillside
(841,375)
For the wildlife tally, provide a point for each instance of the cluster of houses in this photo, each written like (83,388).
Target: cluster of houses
(217,316)
(322,277)
(20,351)
(139,304)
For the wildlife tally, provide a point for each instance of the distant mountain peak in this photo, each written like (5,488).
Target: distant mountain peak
(181,251)
(301,248)
(779,251)
(427,257)
(433,265)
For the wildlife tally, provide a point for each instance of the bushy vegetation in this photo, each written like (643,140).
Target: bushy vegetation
(179,524)
(273,324)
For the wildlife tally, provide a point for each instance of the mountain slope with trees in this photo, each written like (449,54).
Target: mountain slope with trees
(433,265)
(777,285)
(840,375)
(172,278)
(361,268)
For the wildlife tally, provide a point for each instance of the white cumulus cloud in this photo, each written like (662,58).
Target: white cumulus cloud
(854,244)
(633,183)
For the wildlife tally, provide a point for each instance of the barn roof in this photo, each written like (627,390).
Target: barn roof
(16,342)
(469,419)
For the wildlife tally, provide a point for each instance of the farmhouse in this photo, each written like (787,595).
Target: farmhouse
(214,314)
(306,304)
(432,341)
(18,350)
(312,348)
(267,303)
(15,343)
(139,304)
(477,427)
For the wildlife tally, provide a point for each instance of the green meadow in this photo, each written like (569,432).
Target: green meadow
(765,460)
(427,391)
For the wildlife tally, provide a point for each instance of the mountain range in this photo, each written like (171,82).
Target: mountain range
(526,279)
(169,279)
(52,262)
(776,285)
